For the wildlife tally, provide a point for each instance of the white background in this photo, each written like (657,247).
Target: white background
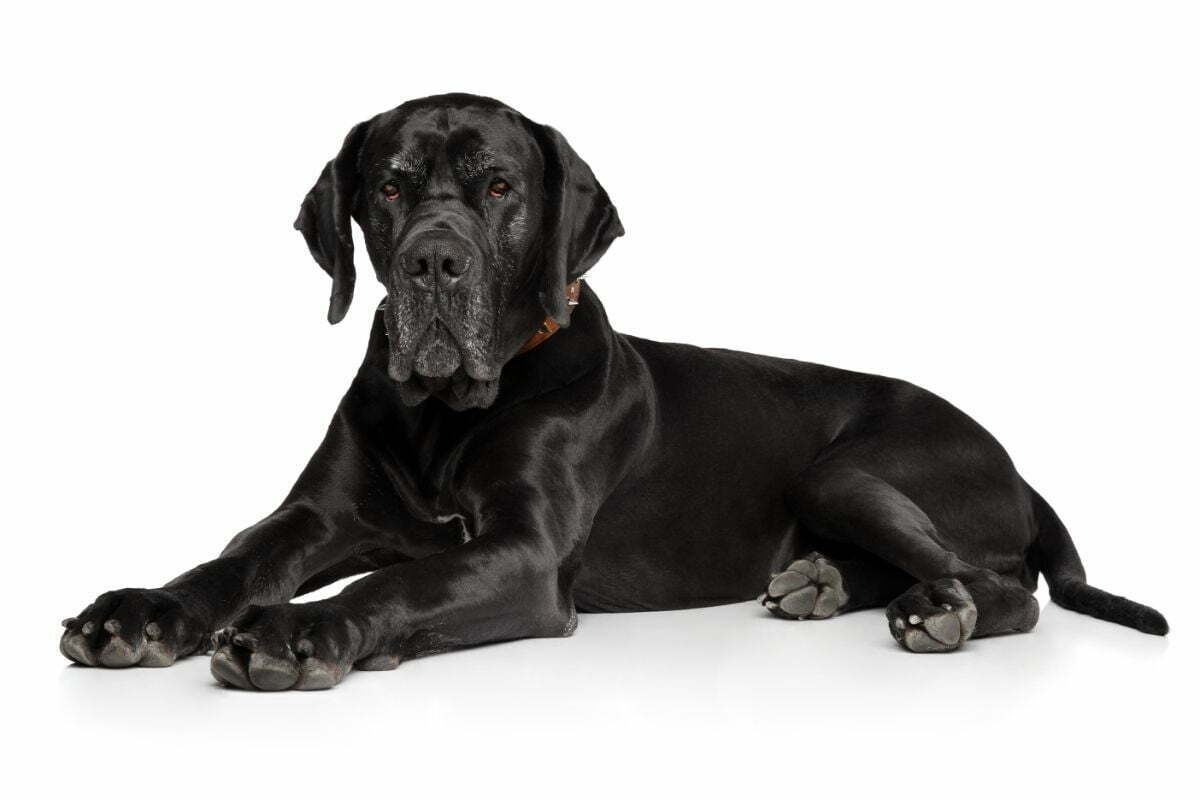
(999,203)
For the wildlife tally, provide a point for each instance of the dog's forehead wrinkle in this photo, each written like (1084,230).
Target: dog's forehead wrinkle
(473,136)
(405,161)
(475,162)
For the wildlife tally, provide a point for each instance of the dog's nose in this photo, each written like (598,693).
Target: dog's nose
(444,258)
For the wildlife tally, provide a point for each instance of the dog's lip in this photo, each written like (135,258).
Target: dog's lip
(401,363)
(401,368)
(459,383)
(459,391)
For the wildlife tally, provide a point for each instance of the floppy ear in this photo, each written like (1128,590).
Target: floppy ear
(580,222)
(325,220)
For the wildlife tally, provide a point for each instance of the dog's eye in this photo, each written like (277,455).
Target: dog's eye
(389,191)
(498,188)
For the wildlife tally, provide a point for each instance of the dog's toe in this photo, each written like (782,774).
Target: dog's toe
(378,663)
(272,673)
(117,652)
(800,602)
(228,667)
(74,646)
(318,674)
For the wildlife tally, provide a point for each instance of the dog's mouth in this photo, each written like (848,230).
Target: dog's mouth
(442,367)
(458,390)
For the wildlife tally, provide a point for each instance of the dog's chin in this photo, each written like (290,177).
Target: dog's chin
(441,369)
(459,390)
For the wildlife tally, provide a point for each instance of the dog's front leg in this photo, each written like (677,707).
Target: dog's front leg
(511,581)
(316,526)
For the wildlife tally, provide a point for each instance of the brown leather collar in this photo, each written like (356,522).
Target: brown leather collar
(549,326)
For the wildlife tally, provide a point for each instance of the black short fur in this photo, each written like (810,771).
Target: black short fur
(493,494)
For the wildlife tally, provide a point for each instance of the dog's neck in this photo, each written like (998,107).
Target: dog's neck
(549,326)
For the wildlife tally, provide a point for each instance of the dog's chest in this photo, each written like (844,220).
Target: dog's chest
(455,523)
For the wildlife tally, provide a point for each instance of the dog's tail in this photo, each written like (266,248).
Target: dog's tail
(1059,562)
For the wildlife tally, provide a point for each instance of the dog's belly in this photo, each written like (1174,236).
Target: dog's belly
(701,518)
(643,556)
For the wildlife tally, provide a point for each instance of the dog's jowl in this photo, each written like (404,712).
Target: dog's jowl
(503,458)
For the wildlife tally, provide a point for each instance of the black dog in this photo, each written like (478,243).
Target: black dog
(497,476)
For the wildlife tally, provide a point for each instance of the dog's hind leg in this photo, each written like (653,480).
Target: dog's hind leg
(936,616)
(953,600)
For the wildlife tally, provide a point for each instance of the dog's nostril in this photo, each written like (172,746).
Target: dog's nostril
(437,258)
(414,267)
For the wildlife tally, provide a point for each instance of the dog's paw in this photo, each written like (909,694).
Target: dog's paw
(132,627)
(809,588)
(934,617)
(302,646)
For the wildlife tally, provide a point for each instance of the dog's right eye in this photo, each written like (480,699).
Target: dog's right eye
(389,191)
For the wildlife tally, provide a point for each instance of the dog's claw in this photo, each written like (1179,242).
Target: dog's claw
(69,621)
(246,640)
(113,626)
(88,628)
(153,631)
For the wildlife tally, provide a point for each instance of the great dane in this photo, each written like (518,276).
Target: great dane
(504,459)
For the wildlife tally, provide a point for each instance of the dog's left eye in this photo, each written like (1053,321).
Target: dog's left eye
(498,188)
(389,191)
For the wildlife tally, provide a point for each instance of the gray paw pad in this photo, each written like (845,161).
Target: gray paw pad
(271,673)
(808,588)
(226,668)
(378,663)
(118,652)
(316,674)
(74,646)
(933,617)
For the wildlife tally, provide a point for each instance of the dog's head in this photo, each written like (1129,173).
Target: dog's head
(475,218)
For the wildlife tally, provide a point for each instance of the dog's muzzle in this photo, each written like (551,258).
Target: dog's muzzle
(439,320)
